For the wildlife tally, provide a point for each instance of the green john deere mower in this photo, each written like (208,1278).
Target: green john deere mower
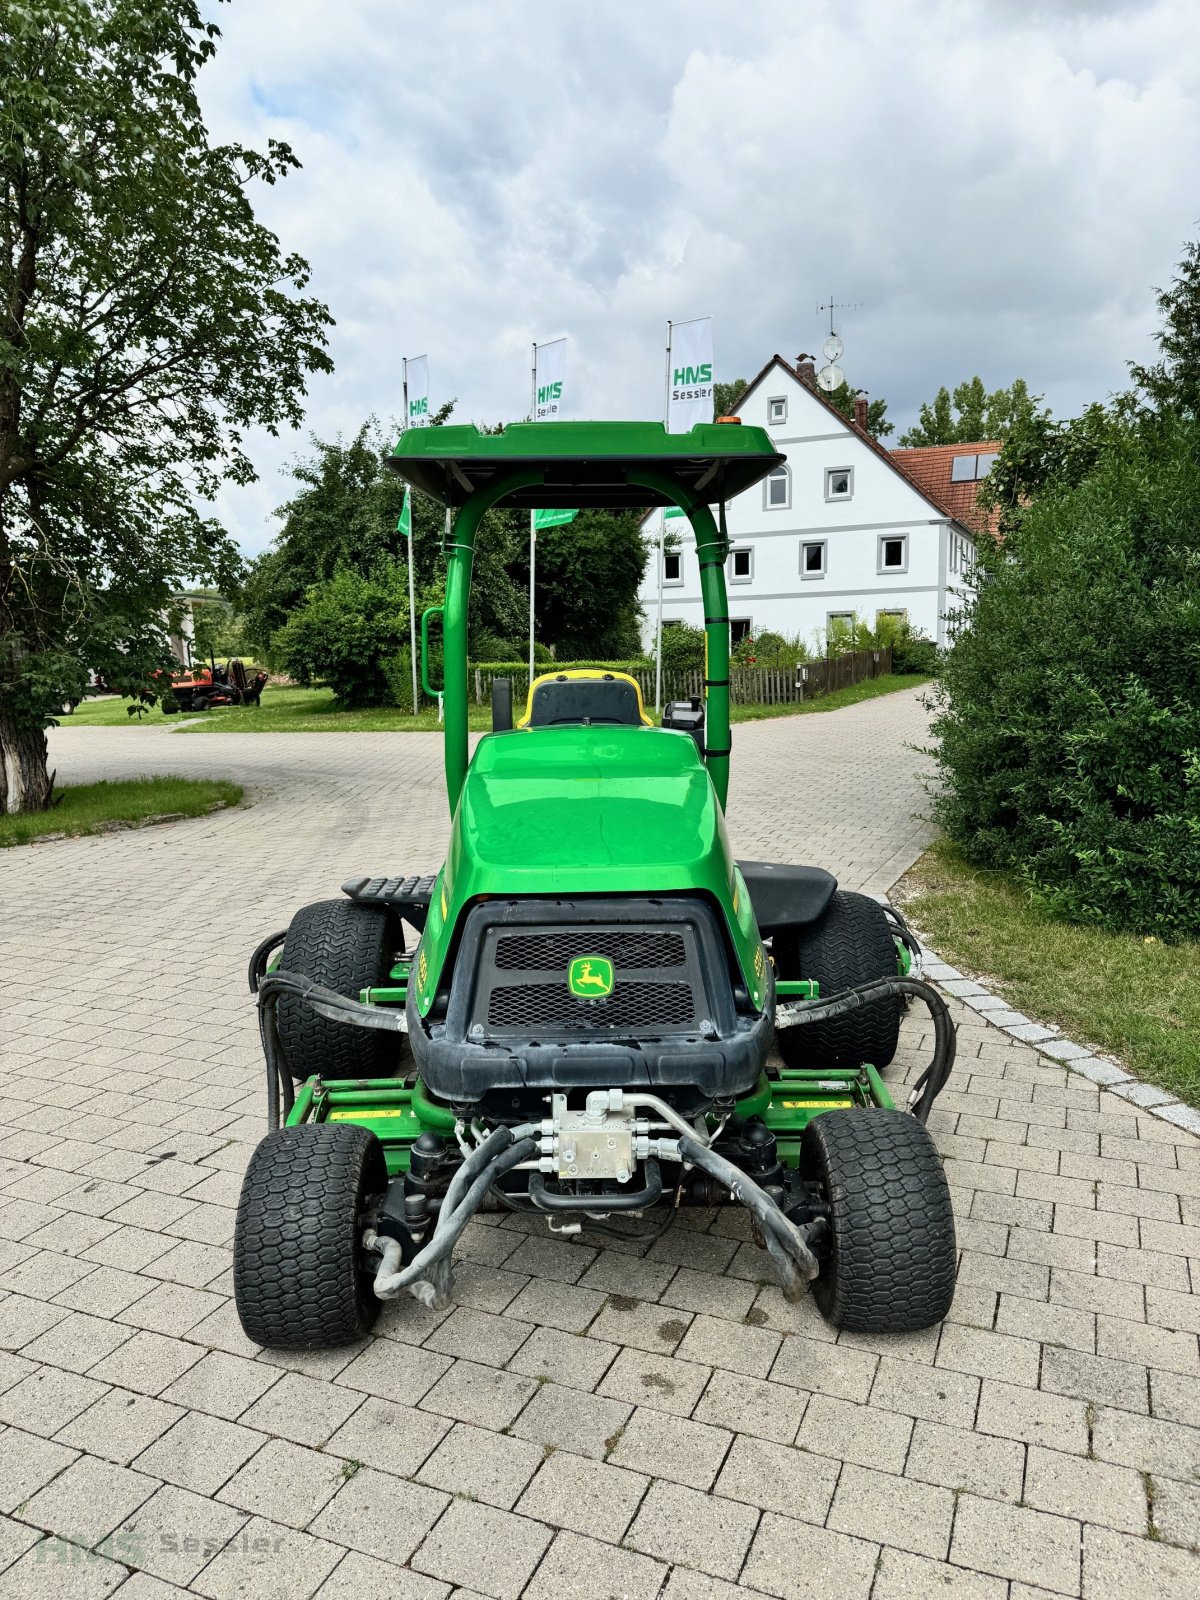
(604,1015)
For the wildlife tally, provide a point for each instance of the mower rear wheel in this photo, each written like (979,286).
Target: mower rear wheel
(301,1278)
(348,947)
(892,1253)
(850,944)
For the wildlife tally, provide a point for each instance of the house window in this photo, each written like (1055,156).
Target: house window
(838,623)
(672,622)
(893,552)
(672,567)
(776,410)
(839,483)
(739,628)
(777,491)
(812,559)
(741,565)
(962,554)
(898,615)
(972,469)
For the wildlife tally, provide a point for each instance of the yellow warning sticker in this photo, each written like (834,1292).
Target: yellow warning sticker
(365,1115)
(815,1105)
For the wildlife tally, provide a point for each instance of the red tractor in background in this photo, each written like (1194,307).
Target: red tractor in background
(200,688)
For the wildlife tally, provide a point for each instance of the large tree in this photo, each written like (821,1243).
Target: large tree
(973,416)
(147,321)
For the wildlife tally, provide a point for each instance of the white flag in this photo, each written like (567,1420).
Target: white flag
(549,378)
(690,375)
(416,384)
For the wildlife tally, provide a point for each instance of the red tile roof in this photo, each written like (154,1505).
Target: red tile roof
(929,467)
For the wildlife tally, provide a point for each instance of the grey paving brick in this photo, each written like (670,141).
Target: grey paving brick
(935,1393)
(119,1425)
(199,1452)
(1116,1566)
(652,1327)
(394,1438)
(575,1565)
(285,1482)
(589,1497)
(222,1385)
(1090,1491)
(473,1393)
(846,1432)
(47,1400)
(146,1362)
(1147,1444)
(394,1371)
(269,1562)
(818,1366)
(668,1447)
(481,1465)
(380,1515)
(1095,1379)
(1058,1422)
(480,1547)
(1013,1542)
(564,1358)
(902,1576)
(901,1512)
(569,1306)
(800,1562)
(750,1405)
(989,1355)
(44,1572)
(301,1409)
(569,1419)
(699,1530)
(27,1462)
(708,1292)
(176,1533)
(958,1459)
(735,1347)
(663,1382)
(796,1483)
(478,1336)
(359,1577)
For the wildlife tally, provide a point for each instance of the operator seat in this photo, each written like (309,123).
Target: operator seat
(606,699)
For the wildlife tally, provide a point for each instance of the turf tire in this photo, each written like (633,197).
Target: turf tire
(850,944)
(892,1254)
(347,947)
(301,1279)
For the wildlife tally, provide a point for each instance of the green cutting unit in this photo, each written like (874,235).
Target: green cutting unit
(594,1013)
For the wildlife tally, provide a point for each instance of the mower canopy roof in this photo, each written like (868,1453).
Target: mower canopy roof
(586,464)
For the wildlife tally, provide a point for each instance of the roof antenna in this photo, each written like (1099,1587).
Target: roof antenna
(831,376)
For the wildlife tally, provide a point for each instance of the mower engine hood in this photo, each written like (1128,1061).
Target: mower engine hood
(586,810)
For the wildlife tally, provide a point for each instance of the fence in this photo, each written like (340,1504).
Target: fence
(760,686)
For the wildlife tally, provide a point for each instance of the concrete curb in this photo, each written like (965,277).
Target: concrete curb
(1049,1042)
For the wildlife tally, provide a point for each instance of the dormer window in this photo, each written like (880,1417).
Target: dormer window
(776,411)
(839,483)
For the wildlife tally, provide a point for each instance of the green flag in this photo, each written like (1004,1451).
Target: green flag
(553,519)
(404,526)
(673,511)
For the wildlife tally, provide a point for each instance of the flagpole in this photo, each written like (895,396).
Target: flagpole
(532,519)
(662,539)
(662,562)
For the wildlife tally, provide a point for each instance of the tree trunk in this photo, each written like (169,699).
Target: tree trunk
(25,782)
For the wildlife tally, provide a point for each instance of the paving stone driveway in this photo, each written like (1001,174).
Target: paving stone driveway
(586,1422)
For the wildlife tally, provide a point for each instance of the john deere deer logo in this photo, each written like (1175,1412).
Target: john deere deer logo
(590,977)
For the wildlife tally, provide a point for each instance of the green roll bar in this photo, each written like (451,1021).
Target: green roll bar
(430,611)
(712,547)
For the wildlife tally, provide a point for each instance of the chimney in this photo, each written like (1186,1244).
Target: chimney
(860,411)
(806,370)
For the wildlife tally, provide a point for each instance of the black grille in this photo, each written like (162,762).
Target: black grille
(628,948)
(536,1006)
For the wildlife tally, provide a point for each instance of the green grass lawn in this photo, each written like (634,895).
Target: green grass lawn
(1132,997)
(286,708)
(96,807)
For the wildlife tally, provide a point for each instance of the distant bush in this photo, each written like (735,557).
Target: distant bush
(349,633)
(1069,707)
(683,648)
(913,652)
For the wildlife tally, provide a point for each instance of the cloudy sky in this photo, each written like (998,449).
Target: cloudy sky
(997,186)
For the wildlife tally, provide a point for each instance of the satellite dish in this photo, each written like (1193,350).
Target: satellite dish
(832,347)
(831,377)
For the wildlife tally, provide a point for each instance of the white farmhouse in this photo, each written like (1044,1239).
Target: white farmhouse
(843,531)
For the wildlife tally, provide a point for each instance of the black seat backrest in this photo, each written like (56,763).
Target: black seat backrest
(565,700)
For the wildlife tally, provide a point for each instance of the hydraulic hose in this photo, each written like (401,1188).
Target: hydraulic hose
(262,954)
(933,1080)
(622,1200)
(795,1263)
(427,1275)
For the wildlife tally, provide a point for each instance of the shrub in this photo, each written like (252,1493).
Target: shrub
(1069,710)
(683,648)
(913,652)
(348,634)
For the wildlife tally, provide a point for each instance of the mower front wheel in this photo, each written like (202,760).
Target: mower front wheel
(891,1255)
(301,1278)
(850,944)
